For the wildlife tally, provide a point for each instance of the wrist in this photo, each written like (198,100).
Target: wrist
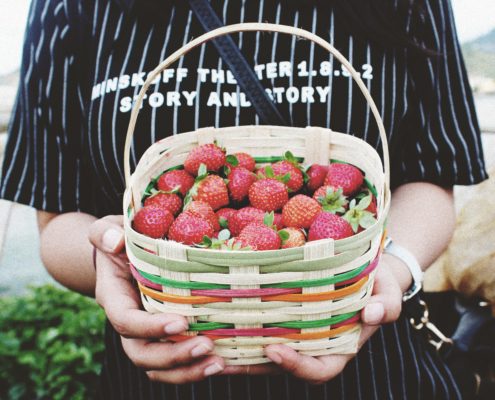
(399,270)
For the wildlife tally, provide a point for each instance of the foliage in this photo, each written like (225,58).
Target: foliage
(51,345)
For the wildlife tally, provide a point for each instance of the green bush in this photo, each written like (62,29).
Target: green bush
(51,345)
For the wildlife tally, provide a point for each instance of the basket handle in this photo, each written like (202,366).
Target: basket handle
(249,27)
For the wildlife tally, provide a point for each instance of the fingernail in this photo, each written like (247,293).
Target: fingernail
(213,369)
(200,350)
(275,357)
(175,327)
(373,313)
(111,239)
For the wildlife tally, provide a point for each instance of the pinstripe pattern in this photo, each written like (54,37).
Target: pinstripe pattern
(66,140)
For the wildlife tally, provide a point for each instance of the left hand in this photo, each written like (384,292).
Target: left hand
(384,307)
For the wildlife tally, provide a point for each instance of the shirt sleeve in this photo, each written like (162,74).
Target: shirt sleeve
(440,139)
(42,162)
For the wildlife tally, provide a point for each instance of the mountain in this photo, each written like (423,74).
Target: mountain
(479,55)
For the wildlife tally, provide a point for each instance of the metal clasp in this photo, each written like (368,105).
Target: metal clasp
(436,337)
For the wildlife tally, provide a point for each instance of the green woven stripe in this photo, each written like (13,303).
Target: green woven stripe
(181,284)
(315,265)
(286,285)
(313,324)
(262,258)
(320,282)
(172,265)
(206,326)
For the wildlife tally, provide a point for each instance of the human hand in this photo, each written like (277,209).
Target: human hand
(384,307)
(140,331)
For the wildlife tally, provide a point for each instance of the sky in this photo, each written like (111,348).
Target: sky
(474,18)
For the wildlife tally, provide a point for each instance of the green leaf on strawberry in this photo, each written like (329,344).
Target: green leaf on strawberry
(357,216)
(284,235)
(232,160)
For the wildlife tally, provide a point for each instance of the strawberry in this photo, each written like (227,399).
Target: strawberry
(168,201)
(300,211)
(327,225)
(209,154)
(210,189)
(189,229)
(316,176)
(244,217)
(224,215)
(261,237)
(225,242)
(153,221)
(203,210)
(268,194)
(176,179)
(288,171)
(331,199)
(278,221)
(243,160)
(358,216)
(296,238)
(344,176)
(240,180)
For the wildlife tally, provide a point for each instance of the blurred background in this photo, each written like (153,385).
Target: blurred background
(20,263)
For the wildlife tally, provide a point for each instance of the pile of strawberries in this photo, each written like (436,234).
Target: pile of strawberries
(227,202)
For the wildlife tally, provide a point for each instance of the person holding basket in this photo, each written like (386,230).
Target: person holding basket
(83,66)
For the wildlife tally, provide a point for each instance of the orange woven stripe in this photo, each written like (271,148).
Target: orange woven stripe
(319,335)
(334,294)
(172,298)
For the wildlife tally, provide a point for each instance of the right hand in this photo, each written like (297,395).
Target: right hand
(140,331)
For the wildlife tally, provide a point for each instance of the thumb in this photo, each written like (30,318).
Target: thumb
(385,304)
(107,234)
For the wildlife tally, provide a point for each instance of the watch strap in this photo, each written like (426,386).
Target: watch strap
(412,264)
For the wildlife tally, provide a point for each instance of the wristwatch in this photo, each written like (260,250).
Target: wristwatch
(411,262)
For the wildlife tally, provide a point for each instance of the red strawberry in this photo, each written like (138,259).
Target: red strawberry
(153,221)
(300,211)
(286,172)
(203,210)
(175,179)
(268,194)
(316,176)
(244,160)
(224,215)
(189,229)
(168,201)
(210,189)
(331,199)
(344,176)
(261,237)
(296,238)
(244,217)
(240,180)
(372,207)
(209,154)
(327,225)
(278,221)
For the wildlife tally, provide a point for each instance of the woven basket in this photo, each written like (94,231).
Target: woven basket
(309,297)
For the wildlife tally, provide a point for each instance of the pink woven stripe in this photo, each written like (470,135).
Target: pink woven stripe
(243,293)
(251,332)
(368,270)
(143,280)
(356,318)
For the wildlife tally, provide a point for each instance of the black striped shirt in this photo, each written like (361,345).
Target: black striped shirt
(84,61)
